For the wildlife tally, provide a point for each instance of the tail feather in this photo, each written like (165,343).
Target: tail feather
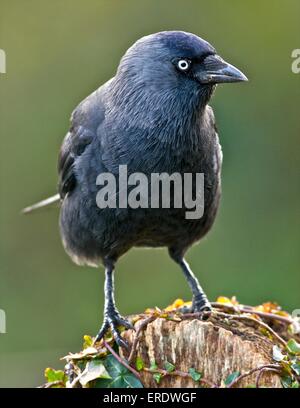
(41,204)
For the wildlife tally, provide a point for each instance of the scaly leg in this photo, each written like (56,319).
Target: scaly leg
(112,318)
(200,301)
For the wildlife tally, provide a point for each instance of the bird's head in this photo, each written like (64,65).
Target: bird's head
(176,61)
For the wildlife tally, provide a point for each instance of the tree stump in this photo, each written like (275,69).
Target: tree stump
(233,346)
(216,348)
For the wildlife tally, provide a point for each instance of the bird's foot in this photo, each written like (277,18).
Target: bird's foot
(199,305)
(112,321)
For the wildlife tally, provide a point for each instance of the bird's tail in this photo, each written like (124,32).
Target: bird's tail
(41,204)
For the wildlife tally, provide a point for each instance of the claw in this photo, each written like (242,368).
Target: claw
(125,323)
(112,321)
(197,307)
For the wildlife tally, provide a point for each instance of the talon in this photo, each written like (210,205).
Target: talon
(125,323)
(121,342)
(112,321)
(202,307)
(206,308)
(102,331)
(199,306)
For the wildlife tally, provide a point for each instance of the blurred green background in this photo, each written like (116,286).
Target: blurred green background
(57,53)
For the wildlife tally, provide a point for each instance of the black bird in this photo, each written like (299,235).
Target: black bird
(152,116)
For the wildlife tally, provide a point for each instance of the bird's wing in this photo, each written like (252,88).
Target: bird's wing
(84,123)
(218,158)
(74,144)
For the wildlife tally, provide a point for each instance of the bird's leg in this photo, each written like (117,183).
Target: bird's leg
(200,302)
(112,318)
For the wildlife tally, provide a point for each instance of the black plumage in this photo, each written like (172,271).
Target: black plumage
(154,117)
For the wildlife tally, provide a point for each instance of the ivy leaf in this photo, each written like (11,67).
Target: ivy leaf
(120,376)
(157,377)
(231,377)
(153,365)
(139,363)
(196,376)
(293,347)
(277,354)
(54,375)
(169,367)
(286,381)
(114,367)
(296,367)
(295,384)
(94,369)
(127,381)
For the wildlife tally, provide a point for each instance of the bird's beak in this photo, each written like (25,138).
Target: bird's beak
(215,70)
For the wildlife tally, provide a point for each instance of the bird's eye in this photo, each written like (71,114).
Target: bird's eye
(183,64)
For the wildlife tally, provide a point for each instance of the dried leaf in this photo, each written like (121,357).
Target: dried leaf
(88,352)
(277,354)
(225,300)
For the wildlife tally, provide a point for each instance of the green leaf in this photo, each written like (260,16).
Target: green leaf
(94,369)
(277,354)
(121,377)
(169,367)
(295,384)
(54,375)
(139,363)
(296,367)
(127,381)
(231,377)
(286,381)
(114,367)
(196,376)
(87,341)
(153,365)
(157,377)
(293,347)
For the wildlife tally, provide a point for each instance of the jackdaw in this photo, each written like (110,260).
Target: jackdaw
(152,116)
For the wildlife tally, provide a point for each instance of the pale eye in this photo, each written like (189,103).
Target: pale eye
(183,64)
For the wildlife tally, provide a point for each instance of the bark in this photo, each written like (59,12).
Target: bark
(216,348)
